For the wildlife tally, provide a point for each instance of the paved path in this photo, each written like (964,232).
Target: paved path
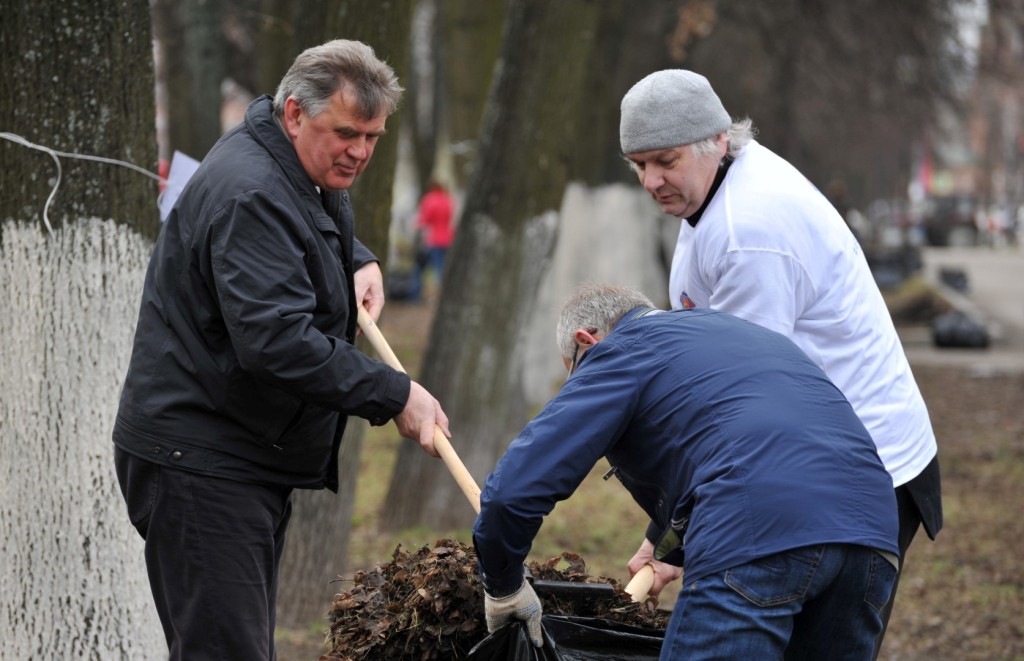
(994,295)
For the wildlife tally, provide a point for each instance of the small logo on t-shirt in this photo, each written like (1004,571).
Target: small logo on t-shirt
(686,301)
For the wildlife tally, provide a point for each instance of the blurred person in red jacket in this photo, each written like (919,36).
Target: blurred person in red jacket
(435,230)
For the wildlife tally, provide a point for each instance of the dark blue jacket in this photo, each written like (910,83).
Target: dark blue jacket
(716,424)
(243,365)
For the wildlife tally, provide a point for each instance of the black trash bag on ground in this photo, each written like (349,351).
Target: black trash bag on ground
(568,638)
(956,329)
(954,277)
(403,285)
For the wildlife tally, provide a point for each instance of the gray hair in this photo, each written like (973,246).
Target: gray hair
(320,71)
(597,306)
(739,136)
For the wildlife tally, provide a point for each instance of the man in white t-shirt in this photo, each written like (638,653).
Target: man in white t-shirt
(758,240)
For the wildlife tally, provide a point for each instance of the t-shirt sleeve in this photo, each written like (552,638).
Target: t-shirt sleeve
(768,288)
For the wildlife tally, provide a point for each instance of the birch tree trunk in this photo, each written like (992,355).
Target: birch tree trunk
(78,78)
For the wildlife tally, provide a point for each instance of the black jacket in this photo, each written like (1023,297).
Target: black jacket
(243,365)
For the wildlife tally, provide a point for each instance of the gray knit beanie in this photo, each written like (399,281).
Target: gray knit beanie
(670,108)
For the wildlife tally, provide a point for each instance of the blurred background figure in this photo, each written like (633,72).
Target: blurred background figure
(434,234)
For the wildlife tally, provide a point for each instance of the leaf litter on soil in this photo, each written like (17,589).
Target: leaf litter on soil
(429,604)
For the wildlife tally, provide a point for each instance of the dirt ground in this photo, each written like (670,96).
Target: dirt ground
(962,596)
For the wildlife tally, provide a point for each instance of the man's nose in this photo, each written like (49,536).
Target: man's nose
(652,179)
(357,148)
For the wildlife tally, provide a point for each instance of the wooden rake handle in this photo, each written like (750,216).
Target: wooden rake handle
(640,585)
(444,447)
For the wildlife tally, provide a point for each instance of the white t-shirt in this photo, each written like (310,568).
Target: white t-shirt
(771,249)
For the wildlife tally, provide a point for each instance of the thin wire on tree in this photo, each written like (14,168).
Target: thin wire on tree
(54,154)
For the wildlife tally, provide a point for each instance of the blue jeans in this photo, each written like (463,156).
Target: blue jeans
(817,602)
(435,260)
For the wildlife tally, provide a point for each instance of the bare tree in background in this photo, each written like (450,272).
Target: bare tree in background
(841,89)
(471,34)
(422,120)
(192,63)
(632,40)
(78,78)
(205,45)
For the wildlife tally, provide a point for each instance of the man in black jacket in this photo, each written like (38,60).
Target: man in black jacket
(243,370)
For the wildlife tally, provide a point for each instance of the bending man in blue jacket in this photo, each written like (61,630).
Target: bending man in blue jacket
(760,482)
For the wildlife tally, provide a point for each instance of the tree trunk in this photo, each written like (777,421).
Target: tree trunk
(277,43)
(422,118)
(78,78)
(284,29)
(193,60)
(472,37)
(68,92)
(317,548)
(505,236)
(634,41)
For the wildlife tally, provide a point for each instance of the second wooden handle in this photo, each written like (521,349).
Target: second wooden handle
(640,585)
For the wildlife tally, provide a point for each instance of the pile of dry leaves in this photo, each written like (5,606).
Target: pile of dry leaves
(429,604)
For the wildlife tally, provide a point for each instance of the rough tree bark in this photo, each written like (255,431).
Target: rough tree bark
(277,42)
(78,78)
(506,232)
(317,548)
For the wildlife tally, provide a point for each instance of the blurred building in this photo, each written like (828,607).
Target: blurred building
(969,184)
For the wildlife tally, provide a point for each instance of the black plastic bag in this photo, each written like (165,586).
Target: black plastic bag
(956,329)
(569,638)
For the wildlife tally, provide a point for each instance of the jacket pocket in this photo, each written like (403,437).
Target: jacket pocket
(282,439)
(265,413)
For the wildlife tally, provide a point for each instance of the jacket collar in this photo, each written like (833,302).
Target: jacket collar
(635,314)
(268,132)
(265,129)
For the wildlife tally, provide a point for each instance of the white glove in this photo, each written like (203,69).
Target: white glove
(523,604)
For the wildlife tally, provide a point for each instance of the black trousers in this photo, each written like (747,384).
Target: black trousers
(213,548)
(919,502)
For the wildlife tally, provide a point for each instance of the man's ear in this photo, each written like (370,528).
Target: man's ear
(292,116)
(586,337)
